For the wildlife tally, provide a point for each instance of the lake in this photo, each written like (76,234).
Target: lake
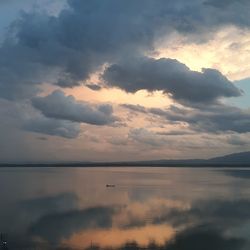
(147,208)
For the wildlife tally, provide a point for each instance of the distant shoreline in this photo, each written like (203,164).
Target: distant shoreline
(233,160)
(128,164)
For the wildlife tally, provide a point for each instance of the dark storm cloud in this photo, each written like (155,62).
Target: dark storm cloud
(171,77)
(66,48)
(59,106)
(72,45)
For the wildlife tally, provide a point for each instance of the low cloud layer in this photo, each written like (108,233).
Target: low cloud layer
(212,119)
(43,125)
(215,120)
(59,106)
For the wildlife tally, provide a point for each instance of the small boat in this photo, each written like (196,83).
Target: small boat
(110,185)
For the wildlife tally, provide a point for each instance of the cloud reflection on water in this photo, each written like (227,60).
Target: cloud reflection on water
(185,214)
(208,221)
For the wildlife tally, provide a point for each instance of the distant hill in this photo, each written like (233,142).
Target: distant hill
(237,159)
(242,158)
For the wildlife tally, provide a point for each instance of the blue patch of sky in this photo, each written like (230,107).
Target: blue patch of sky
(244,100)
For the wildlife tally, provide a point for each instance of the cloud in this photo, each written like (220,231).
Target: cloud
(225,3)
(177,140)
(147,137)
(118,141)
(134,108)
(47,126)
(22,116)
(172,77)
(239,140)
(175,133)
(216,118)
(59,106)
(64,49)
(42,138)
(94,87)
(70,46)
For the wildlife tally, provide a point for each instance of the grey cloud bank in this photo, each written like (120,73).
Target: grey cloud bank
(58,106)
(53,127)
(216,120)
(171,77)
(212,119)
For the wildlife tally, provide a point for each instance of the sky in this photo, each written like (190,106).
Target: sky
(114,80)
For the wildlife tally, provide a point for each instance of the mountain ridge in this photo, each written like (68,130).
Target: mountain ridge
(235,159)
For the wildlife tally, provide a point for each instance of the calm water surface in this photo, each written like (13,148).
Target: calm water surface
(157,208)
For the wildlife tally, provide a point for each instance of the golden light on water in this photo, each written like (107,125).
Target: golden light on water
(116,237)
